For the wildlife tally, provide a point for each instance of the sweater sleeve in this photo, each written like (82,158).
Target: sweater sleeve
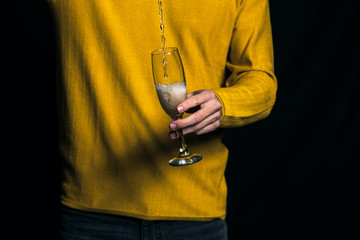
(250,90)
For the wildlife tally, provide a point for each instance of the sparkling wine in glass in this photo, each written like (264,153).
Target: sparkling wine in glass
(169,79)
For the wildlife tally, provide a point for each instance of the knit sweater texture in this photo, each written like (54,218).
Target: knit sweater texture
(113,133)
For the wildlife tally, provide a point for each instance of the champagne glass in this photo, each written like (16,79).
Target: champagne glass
(169,79)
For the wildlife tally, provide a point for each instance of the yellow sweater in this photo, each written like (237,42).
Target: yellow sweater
(113,131)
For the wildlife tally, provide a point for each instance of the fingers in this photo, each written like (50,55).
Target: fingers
(197,120)
(205,120)
(207,125)
(194,100)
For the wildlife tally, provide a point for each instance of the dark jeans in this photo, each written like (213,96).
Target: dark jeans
(79,225)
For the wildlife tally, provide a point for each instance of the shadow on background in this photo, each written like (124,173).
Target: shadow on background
(290,176)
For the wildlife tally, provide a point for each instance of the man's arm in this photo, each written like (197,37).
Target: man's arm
(250,91)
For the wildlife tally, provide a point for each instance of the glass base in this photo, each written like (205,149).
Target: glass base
(185,160)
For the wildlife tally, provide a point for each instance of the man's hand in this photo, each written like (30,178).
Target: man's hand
(206,112)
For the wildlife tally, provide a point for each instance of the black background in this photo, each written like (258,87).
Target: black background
(291,176)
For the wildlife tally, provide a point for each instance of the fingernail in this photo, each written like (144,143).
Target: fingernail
(180,109)
(173,135)
(172,126)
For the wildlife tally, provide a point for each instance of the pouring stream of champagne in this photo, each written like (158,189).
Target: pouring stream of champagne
(163,40)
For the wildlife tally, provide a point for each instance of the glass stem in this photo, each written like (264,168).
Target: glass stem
(184,152)
(183,147)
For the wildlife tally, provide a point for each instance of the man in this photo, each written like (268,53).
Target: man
(114,142)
